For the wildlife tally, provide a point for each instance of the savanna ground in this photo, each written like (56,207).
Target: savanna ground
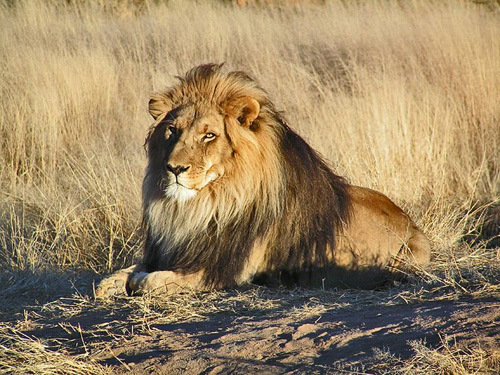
(403,97)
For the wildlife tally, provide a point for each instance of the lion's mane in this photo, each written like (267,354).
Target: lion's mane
(280,192)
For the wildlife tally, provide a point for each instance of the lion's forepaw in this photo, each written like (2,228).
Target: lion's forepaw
(116,284)
(111,286)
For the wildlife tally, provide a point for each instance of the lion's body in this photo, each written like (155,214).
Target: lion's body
(233,195)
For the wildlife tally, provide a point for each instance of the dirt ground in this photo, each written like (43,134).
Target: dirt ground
(269,331)
(270,344)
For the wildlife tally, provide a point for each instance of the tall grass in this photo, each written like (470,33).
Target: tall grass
(399,96)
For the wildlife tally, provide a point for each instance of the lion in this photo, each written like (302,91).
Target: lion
(232,195)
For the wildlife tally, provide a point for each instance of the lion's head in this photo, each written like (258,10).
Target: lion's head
(212,136)
(194,143)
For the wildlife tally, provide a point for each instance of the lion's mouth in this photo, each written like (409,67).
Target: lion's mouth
(180,192)
(182,185)
(182,189)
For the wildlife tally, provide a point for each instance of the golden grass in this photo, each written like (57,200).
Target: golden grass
(401,98)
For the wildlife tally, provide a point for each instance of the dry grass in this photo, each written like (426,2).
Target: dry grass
(399,96)
(447,359)
(22,354)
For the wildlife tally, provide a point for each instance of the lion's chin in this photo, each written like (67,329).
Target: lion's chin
(179,192)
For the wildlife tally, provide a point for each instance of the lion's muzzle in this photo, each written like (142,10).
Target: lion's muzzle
(177,169)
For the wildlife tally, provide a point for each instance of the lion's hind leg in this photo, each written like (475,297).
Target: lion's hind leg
(420,248)
(117,283)
(414,254)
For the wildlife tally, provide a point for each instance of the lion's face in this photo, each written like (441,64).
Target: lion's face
(195,142)
(192,145)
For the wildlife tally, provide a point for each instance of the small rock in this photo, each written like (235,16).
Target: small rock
(303,330)
(217,370)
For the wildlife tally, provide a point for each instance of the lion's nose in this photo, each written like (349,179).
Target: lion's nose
(177,169)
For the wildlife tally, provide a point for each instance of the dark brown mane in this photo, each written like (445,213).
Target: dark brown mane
(317,208)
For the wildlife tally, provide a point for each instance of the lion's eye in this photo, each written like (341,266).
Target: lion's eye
(172,132)
(208,137)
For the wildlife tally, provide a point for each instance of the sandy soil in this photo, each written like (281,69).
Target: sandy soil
(264,331)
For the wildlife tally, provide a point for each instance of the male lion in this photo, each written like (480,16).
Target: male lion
(233,195)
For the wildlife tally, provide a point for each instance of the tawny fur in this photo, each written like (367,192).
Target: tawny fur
(232,195)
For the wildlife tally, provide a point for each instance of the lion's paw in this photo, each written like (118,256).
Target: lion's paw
(111,286)
(116,284)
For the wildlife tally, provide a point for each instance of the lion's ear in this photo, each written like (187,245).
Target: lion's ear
(245,109)
(158,105)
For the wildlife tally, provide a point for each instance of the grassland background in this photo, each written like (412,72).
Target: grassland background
(402,97)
